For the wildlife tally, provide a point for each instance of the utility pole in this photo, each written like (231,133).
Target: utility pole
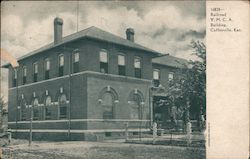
(77,15)
(69,112)
(140,118)
(31,120)
(16,68)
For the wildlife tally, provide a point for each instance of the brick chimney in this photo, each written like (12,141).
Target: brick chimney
(130,34)
(58,30)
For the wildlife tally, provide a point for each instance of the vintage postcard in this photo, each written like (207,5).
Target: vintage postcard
(124,79)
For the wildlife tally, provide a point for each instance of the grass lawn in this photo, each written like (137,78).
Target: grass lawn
(99,150)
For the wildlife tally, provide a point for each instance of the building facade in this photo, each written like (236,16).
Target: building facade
(87,85)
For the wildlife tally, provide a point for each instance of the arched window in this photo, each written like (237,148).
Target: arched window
(35,109)
(62,106)
(23,111)
(135,101)
(108,98)
(107,103)
(47,111)
(135,107)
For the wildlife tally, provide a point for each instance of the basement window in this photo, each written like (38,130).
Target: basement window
(103,61)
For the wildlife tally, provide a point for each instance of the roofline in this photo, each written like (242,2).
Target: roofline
(166,65)
(157,54)
(153,52)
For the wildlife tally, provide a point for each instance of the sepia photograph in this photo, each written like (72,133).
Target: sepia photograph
(103,80)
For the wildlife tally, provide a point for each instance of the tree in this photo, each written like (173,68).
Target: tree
(2,103)
(198,82)
(189,89)
(2,110)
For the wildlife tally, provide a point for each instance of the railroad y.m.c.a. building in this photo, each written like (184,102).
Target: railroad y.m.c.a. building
(90,82)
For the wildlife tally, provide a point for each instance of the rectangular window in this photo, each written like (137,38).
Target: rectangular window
(35,71)
(156,77)
(76,57)
(47,68)
(24,74)
(170,76)
(76,62)
(121,65)
(137,66)
(14,78)
(61,65)
(103,56)
(104,61)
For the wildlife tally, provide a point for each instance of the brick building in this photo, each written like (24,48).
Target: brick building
(90,82)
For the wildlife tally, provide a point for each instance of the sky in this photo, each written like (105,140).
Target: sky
(164,26)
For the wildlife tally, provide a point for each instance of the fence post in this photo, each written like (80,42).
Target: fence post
(126,131)
(154,131)
(189,131)
(31,120)
(9,136)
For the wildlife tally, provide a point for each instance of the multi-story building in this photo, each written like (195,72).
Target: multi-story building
(90,82)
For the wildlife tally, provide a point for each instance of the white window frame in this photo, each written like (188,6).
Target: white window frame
(24,71)
(140,59)
(170,73)
(15,73)
(76,59)
(59,60)
(158,71)
(107,56)
(47,64)
(124,60)
(35,69)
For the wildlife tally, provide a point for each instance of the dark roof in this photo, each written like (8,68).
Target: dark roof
(92,33)
(168,60)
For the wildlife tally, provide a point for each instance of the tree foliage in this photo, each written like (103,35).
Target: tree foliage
(196,79)
(2,103)
(188,90)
